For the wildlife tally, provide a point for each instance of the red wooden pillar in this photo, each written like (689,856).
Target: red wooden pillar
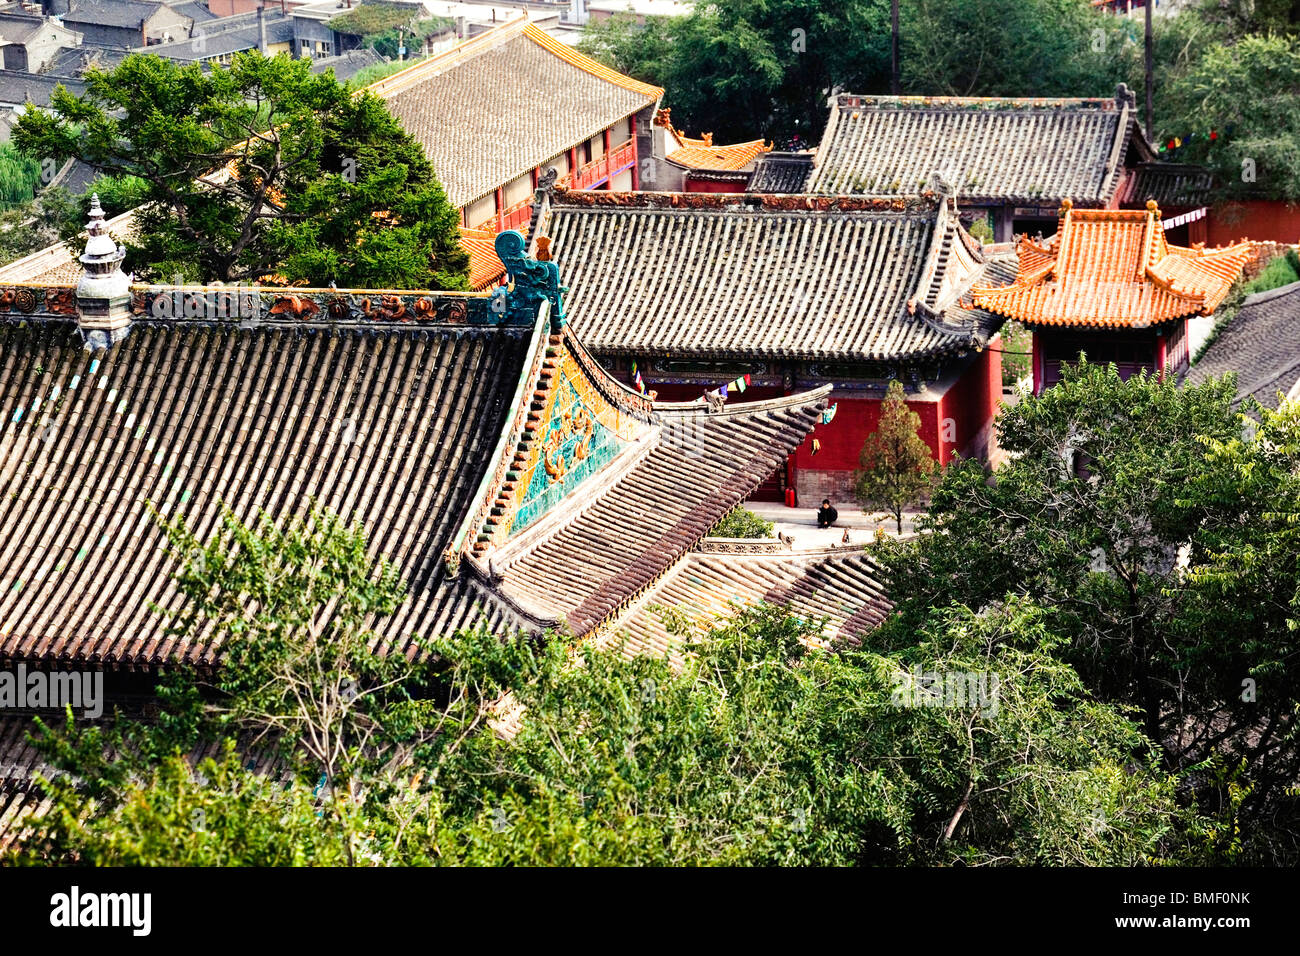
(791,469)
(609,165)
(1162,353)
(500,210)
(636,159)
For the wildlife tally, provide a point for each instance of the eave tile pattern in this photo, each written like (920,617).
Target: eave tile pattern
(992,150)
(392,428)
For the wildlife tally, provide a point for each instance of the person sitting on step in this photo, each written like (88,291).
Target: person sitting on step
(826,515)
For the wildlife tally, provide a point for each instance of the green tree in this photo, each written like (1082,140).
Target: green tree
(20,175)
(897,465)
(764,752)
(1159,542)
(742,523)
(742,69)
(1244,93)
(324,185)
(356,732)
(385,27)
(760,751)
(1014,48)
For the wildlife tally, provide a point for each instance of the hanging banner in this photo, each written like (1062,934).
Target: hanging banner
(1186,217)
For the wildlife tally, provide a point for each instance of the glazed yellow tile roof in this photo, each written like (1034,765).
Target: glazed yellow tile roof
(737,156)
(504,103)
(1113,268)
(485,266)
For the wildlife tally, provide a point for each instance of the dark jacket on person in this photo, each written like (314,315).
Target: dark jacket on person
(826,515)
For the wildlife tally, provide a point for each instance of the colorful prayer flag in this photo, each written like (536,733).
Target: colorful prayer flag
(722,391)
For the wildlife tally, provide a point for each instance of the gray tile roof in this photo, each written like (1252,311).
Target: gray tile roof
(254,417)
(196,10)
(781,173)
(693,274)
(347,65)
(17,28)
(843,585)
(17,88)
(75,176)
(118,13)
(993,150)
(1261,344)
(409,426)
(1169,184)
(503,103)
(216,38)
(71,62)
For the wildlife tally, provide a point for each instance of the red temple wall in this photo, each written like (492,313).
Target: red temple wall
(829,473)
(1261,220)
(971,405)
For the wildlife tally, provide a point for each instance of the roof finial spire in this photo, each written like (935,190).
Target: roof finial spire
(104,292)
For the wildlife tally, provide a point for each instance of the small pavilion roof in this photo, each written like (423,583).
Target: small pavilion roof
(1113,268)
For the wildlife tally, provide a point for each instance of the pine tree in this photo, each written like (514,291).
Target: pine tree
(897,466)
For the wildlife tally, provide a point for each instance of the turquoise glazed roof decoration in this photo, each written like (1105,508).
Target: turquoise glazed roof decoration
(532,282)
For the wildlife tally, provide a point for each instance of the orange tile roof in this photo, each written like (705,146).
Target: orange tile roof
(737,156)
(701,153)
(1112,268)
(485,267)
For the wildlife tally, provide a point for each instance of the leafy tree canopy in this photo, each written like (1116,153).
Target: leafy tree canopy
(1243,92)
(323,185)
(760,749)
(1155,526)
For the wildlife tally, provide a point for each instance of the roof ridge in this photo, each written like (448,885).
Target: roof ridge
(1269,294)
(455,56)
(582,199)
(587,64)
(796,400)
(870,100)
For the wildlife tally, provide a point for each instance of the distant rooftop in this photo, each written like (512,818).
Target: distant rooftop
(18,88)
(501,104)
(1027,151)
(1261,344)
(116,13)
